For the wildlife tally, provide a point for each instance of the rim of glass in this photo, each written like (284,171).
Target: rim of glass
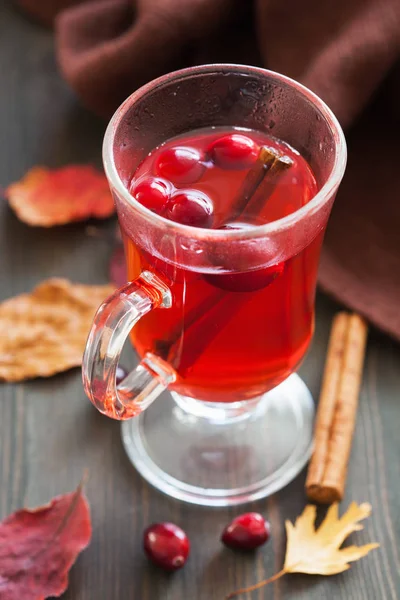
(331,183)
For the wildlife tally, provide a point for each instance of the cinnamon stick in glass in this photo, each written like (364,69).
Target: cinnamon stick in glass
(265,172)
(259,183)
(337,409)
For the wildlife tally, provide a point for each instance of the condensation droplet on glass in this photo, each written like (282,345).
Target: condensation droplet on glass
(192,247)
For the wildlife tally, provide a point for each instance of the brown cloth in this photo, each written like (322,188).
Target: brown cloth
(346,51)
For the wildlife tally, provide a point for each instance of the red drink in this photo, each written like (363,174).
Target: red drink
(222,230)
(230,336)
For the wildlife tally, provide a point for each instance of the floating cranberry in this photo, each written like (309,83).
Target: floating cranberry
(120,374)
(246,532)
(166,545)
(181,165)
(152,192)
(234,151)
(190,207)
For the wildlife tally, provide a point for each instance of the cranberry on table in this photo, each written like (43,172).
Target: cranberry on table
(190,207)
(117,266)
(246,532)
(180,165)
(166,545)
(120,374)
(152,192)
(233,151)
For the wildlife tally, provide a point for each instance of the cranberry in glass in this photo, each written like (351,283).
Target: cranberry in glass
(246,532)
(246,281)
(180,165)
(120,374)
(233,151)
(152,192)
(166,545)
(249,281)
(190,207)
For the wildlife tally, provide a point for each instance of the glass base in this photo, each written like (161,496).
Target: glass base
(217,454)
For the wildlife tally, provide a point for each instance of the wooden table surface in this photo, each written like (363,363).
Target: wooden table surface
(49,433)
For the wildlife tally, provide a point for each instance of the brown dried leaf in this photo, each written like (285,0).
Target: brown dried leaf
(45,332)
(317,551)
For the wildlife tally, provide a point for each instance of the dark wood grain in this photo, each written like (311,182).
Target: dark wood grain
(49,433)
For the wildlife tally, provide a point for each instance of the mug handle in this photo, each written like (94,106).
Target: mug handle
(111,326)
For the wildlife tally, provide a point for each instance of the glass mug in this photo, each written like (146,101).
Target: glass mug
(236,423)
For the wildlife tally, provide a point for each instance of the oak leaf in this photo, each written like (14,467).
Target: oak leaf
(39,546)
(44,332)
(46,197)
(317,551)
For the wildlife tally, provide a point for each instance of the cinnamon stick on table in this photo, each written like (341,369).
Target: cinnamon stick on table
(336,415)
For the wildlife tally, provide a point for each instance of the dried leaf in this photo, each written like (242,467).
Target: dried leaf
(47,197)
(317,552)
(39,546)
(45,332)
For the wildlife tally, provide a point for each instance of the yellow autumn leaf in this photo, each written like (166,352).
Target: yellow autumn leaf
(317,551)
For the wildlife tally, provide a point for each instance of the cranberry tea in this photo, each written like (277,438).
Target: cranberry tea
(230,336)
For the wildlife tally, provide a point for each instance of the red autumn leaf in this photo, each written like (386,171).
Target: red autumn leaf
(39,546)
(117,267)
(47,197)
